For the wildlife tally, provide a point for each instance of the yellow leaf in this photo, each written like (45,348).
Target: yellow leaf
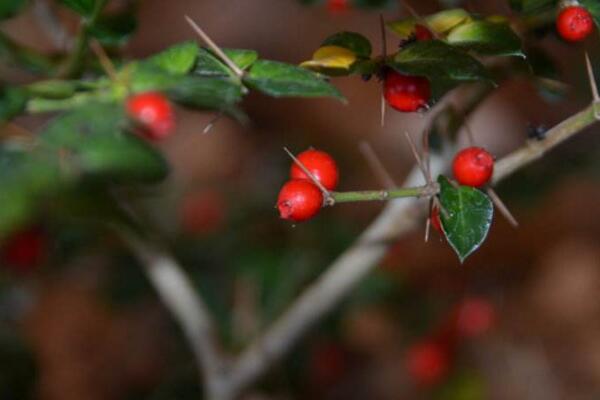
(331,57)
(445,20)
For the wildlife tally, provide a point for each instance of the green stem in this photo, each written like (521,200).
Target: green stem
(74,63)
(382,195)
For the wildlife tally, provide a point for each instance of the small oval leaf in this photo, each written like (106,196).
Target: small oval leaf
(488,38)
(355,42)
(331,60)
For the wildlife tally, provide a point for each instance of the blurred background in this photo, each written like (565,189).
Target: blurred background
(519,320)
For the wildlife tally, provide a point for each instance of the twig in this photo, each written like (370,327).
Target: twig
(206,39)
(384,177)
(104,60)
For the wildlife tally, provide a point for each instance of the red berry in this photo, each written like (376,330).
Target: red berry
(203,212)
(320,164)
(299,200)
(436,222)
(422,33)
(24,250)
(337,6)
(473,166)
(427,363)
(153,111)
(327,364)
(406,93)
(574,23)
(475,316)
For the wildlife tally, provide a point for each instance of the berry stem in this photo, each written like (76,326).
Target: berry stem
(382,195)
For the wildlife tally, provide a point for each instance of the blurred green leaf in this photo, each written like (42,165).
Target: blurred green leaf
(177,60)
(114,30)
(284,80)
(53,89)
(488,38)
(91,140)
(82,7)
(352,41)
(209,65)
(445,66)
(372,3)
(210,93)
(440,22)
(467,217)
(10,8)
(532,6)
(593,6)
(12,102)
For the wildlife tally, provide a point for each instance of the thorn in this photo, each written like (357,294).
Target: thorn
(470,134)
(376,165)
(427,229)
(418,17)
(417,157)
(426,158)
(592,79)
(502,207)
(383,36)
(104,59)
(206,39)
(310,175)
(382,107)
(212,122)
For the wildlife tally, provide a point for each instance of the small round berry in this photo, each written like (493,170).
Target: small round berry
(473,166)
(24,250)
(436,222)
(574,23)
(299,200)
(320,164)
(427,363)
(475,316)
(406,93)
(422,33)
(153,112)
(337,6)
(203,212)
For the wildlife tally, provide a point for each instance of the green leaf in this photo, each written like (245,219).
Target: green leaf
(177,60)
(467,217)
(209,65)
(445,66)
(593,6)
(92,141)
(10,8)
(284,80)
(12,102)
(352,41)
(206,93)
(114,30)
(486,38)
(53,89)
(440,22)
(82,7)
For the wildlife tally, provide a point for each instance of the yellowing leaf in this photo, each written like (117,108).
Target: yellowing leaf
(445,20)
(331,57)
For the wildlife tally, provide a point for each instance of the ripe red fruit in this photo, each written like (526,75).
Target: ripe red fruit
(436,222)
(299,200)
(153,112)
(427,363)
(203,212)
(24,250)
(337,6)
(320,164)
(574,23)
(473,166)
(406,93)
(422,33)
(475,316)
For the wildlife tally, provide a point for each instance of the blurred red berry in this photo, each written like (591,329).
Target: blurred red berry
(153,111)
(574,23)
(473,166)
(320,164)
(337,6)
(475,317)
(436,222)
(327,364)
(427,363)
(422,33)
(24,250)
(406,93)
(203,212)
(299,200)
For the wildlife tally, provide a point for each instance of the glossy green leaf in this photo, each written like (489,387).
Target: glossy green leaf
(114,30)
(93,142)
(82,7)
(177,60)
(488,38)
(12,102)
(10,8)
(445,66)
(284,80)
(209,65)
(206,93)
(352,41)
(467,218)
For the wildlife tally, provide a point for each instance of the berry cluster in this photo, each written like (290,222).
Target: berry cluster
(574,23)
(300,199)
